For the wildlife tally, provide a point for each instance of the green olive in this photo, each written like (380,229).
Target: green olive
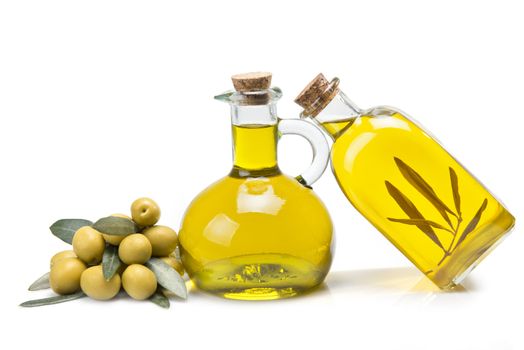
(114,239)
(139,281)
(174,263)
(135,249)
(145,212)
(163,239)
(62,255)
(89,245)
(95,286)
(64,277)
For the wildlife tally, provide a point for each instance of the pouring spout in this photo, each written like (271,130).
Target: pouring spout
(261,97)
(225,96)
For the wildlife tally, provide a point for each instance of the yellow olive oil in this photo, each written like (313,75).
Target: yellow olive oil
(256,234)
(337,127)
(254,146)
(413,191)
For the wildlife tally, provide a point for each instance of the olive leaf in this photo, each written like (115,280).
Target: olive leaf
(160,299)
(65,229)
(473,223)
(454,186)
(421,221)
(168,277)
(117,226)
(176,253)
(110,262)
(40,283)
(53,300)
(409,208)
(424,188)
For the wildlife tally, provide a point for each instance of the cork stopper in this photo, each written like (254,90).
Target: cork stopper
(249,82)
(312,91)
(252,87)
(317,95)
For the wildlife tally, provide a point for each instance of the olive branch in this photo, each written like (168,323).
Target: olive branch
(415,217)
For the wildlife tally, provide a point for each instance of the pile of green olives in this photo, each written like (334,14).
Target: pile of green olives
(81,268)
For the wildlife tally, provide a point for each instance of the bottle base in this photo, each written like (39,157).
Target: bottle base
(261,294)
(462,263)
(258,277)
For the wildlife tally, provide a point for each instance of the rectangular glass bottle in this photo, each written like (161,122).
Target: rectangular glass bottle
(407,185)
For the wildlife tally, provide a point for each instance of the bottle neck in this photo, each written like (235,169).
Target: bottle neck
(255,135)
(338,115)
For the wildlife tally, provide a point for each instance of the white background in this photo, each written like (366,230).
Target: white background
(105,101)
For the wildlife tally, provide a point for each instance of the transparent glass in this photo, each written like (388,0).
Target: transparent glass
(412,190)
(258,234)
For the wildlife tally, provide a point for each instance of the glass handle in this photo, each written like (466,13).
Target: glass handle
(317,141)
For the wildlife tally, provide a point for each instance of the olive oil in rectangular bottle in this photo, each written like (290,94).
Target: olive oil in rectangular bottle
(408,186)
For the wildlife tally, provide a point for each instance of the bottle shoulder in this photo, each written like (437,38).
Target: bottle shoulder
(377,132)
(280,192)
(255,185)
(377,121)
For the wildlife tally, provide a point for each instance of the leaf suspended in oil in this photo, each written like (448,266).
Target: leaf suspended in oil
(473,223)
(424,188)
(421,221)
(409,208)
(454,186)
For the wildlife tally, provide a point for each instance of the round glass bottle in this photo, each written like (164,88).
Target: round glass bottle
(258,234)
